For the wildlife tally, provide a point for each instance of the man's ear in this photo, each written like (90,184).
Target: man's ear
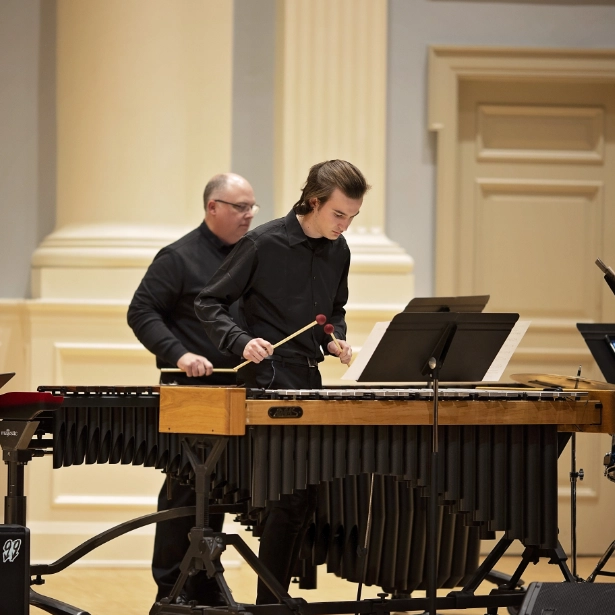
(313,202)
(210,208)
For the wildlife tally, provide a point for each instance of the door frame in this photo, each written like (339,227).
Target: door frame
(448,65)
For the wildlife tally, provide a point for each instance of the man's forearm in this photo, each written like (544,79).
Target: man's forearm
(153,333)
(219,326)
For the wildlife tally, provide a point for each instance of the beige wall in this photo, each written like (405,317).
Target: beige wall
(136,121)
(143,108)
(137,136)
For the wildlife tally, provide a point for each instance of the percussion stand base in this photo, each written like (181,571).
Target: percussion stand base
(206,546)
(600,565)
(16,458)
(608,463)
(515,583)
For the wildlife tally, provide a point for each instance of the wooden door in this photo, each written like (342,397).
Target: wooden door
(535,208)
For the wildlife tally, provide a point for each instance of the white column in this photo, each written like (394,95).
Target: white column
(331,103)
(144,119)
(332,94)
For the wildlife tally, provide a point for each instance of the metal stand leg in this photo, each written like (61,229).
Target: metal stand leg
(53,606)
(513,585)
(600,565)
(574,476)
(207,546)
(609,466)
(15,514)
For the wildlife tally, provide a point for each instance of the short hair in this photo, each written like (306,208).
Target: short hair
(325,177)
(217,182)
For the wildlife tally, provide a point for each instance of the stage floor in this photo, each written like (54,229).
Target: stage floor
(109,591)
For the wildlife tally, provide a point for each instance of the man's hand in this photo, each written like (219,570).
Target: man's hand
(195,365)
(257,349)
(346,353)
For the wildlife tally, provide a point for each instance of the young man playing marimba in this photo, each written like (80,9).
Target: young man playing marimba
(283,274)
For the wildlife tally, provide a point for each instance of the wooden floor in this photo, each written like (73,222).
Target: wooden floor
(132,591)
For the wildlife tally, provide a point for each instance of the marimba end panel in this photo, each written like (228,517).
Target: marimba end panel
(217,411)
(607,412)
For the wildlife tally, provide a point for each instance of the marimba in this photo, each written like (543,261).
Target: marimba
(498,461)
(498,467)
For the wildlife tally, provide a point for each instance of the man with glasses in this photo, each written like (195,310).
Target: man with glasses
(283,274)
(162,316)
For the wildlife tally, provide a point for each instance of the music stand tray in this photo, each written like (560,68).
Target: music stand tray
(411,337)
(472,303)
(600,339)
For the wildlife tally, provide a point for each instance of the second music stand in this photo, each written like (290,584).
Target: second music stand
(453,346)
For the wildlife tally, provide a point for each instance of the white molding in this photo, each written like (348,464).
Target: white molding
(99,348)
(103,353)
(583,493)
(373,311)
(72,308)
(125,563)
(81,529)
(589,119)
(497,185)
(99,563)
(104,245)
(542,355)
(99,501)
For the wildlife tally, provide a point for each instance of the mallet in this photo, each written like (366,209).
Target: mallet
(320,319)
(329,329)
(176,370)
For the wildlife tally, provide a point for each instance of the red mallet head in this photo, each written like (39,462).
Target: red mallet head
(328,329)
(321,319)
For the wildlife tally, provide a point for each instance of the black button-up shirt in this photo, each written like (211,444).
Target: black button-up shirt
(282,280)
(161,313)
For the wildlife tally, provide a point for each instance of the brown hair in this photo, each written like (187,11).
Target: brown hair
(325,177)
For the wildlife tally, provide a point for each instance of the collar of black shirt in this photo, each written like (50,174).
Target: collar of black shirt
(225,248)
(296,234)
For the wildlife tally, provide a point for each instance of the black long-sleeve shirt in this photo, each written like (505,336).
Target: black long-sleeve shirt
(161,313)
(282,280)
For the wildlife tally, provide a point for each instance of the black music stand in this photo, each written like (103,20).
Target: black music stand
(609,274)
(473,303)
(454,346)
(600,339)
(4,378)
(411,338)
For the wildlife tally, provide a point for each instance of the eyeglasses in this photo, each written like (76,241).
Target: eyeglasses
(242,208)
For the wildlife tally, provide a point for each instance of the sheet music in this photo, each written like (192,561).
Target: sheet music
(367,350)
(494,373)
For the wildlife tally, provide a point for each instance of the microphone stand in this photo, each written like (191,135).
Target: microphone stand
(431,369)
(574,476)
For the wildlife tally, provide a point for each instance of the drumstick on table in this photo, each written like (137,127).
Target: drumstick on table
(320,319)
(329,329)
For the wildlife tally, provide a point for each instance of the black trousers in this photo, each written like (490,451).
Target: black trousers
(171,543)
(288,519)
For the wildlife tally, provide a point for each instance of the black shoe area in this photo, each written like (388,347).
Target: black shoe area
(211,599)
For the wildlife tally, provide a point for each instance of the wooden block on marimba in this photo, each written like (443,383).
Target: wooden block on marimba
(203,410)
